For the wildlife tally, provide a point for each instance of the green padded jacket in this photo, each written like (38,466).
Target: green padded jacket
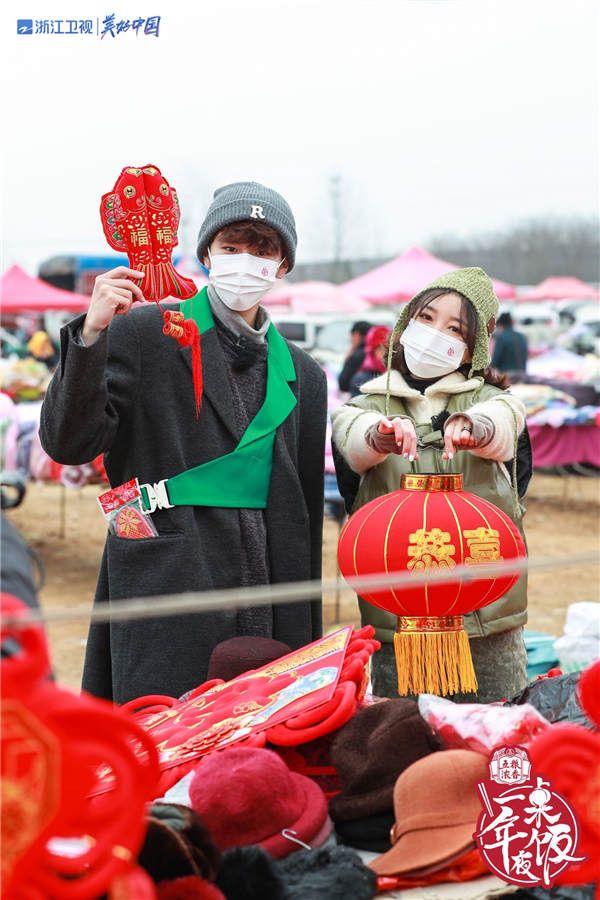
(486,478)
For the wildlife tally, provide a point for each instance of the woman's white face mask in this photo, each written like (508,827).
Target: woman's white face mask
(430,353)
(240,279)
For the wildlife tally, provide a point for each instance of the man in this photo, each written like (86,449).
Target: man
(355,356)
(238,512)
(510,346)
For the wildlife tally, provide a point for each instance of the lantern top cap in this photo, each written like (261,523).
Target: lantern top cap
(432,482)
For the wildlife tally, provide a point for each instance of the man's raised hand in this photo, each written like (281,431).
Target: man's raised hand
(114,292)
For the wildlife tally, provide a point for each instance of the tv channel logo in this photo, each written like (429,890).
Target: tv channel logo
(24,26)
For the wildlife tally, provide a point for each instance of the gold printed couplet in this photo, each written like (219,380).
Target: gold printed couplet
(484,546)
(430,550)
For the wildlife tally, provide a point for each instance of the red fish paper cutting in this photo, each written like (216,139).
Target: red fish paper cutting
(140,217)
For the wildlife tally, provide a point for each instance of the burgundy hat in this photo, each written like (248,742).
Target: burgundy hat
(247,795)
(240,654)
(371,750)
(436,807)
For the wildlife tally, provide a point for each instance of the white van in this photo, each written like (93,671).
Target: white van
(326,336)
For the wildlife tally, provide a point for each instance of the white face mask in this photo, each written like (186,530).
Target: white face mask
(430,353)
(240,279)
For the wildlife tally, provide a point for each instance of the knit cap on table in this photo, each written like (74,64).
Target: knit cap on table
(476,286)
(249,201)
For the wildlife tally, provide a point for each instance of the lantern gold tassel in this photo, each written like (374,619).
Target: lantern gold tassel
(433,656)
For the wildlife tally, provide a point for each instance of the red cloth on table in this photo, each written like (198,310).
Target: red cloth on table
(565,445)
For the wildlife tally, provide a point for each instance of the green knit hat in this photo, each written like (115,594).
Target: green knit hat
(475,285)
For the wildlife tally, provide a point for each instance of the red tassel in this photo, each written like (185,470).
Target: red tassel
(186,334)
(192,336)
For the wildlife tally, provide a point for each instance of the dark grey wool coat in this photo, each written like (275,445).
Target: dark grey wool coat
(130,396)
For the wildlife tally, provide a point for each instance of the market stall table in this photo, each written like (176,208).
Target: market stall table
(564,446)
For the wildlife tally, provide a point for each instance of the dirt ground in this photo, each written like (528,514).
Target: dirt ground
(66,529)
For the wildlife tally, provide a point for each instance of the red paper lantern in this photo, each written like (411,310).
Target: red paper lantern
(431,524)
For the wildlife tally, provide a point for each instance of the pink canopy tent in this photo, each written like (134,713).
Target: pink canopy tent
(19,292)
(314,297)
(406,275)
(561,289)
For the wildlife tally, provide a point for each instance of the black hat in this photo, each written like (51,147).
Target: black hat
(330,873)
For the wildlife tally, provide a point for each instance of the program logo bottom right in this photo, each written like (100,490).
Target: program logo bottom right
(527,833)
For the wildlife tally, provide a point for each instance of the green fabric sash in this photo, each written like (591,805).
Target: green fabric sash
(240,478)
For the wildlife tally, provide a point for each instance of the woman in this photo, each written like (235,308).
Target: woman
(440,408)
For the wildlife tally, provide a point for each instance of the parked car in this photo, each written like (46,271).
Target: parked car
(326,336)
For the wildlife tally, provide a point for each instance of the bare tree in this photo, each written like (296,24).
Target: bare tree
(529,251)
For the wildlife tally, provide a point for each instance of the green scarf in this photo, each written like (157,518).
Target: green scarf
(240,478)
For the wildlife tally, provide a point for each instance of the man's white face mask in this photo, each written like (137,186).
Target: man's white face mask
(240,279)
(430,353)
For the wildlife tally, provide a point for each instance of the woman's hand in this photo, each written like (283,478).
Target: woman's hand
(394,436)
(458,434)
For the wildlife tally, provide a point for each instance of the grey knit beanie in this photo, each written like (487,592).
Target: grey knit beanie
(249,201)
(475,285)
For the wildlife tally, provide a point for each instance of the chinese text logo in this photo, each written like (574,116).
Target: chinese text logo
(527,833)
(109,26)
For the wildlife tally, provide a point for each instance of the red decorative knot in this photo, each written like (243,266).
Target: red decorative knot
(185,331)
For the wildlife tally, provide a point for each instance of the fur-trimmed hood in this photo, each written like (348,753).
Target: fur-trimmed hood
(454,383)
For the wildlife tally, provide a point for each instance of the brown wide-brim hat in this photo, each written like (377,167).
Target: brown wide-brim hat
(436,807)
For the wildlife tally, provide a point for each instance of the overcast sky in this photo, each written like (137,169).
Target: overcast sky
(440,116)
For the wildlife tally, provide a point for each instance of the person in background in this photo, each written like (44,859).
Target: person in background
(356,354)
(510,347)
(41,347)
(376,345)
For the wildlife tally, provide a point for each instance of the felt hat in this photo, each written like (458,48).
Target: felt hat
(335,873)
(436,807)
(249,201)
(247,795)
(476,286)
(378,743)
(238,655)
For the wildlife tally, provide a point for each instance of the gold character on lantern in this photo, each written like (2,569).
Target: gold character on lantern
(484,546)
(430,550)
